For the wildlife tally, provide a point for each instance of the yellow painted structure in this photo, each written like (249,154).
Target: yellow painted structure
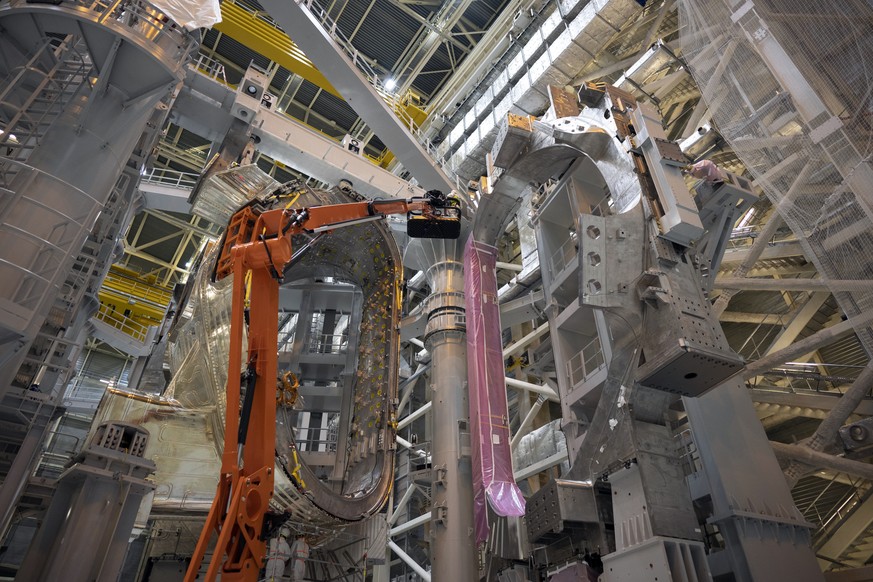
(132,303)
(256,31)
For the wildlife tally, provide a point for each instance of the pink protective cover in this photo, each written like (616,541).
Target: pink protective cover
(493,478)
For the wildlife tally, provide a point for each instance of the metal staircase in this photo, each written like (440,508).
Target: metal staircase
(51,119)
(82,80)
(35,93)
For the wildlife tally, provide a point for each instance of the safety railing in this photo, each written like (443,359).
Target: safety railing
(167,177)
(762,337)
(325,343)
(134,329)
(396,102)
(333,30)
(33,106)
(832,515)
(127,286)
(811,378)
(418,457)
(193,158)
(689,456)
(211,68)
(564,256)
(60,448)
(588,361)
(746,235)
(79,278)
(316,439)
(147,21)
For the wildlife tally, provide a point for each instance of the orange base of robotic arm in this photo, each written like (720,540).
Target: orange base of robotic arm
(246,482)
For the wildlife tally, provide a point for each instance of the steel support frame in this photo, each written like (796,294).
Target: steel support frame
(301,24)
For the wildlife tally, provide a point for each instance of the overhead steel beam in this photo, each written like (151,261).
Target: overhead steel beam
(791,284)
(526,340)
(544,465)
(205,104)
(758,247)
(330,58)
(820,460)
(825,436)
(531,387)
(799,321)
(862,574)
(528,419)
(806,345)
(778,250)
(755,252)
(409,525)
(422,410)
(816,401)
(183,225)
(242,24)
(817,459)
(754,318)
(527,307)
(401,505)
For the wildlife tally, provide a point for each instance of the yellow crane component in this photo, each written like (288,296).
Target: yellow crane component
(255,30)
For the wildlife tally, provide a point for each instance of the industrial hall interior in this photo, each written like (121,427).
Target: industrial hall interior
(436,290)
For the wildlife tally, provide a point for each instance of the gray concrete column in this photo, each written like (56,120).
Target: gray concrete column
(453,545)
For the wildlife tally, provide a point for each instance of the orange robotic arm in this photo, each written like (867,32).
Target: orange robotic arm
(259,240)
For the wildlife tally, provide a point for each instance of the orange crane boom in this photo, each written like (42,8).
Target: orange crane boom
(258,240)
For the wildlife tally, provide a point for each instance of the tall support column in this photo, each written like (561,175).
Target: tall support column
(766,537)
(453,547)
(82,118)
(56,204)
(16,479)
(86,531)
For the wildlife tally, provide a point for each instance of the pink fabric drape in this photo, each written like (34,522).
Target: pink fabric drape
(493,480)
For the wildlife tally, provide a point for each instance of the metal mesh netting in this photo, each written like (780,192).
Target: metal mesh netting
(789,86)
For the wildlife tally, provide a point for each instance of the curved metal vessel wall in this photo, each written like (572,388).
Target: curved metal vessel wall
(365,256)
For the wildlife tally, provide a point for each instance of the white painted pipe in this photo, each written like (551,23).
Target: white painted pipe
(407,495)
(509,266)
(535,388)
(523,342)
(522,430)
(416,414)
(405,443)
(425,575)
(411,524)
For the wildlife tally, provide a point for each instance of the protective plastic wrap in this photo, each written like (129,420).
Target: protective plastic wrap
(191,14)
(540,444)
(493,479)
